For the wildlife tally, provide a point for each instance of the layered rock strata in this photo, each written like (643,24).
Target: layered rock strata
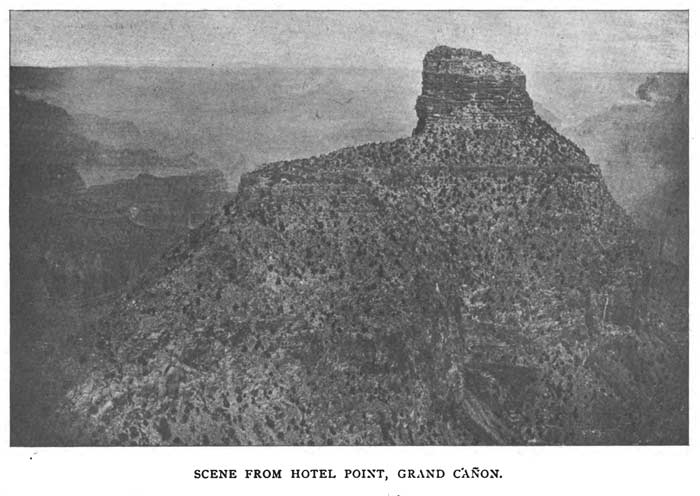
(470,84)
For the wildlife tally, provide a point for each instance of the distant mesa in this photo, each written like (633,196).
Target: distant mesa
(468,86)
(665,86)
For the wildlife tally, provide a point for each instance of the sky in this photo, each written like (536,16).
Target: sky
(536,41)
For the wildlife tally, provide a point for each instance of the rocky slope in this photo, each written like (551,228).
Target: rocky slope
(472,284)
(72,247)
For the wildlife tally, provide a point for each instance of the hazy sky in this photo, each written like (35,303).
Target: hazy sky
(570,41)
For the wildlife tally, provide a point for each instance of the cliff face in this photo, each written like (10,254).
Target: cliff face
(42,151)
(472,87)
(472,284)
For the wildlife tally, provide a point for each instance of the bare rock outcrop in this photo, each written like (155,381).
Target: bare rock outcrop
(470,86)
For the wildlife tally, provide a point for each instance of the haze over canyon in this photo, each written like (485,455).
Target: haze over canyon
(472,282)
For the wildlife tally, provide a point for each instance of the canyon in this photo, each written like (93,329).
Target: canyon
(474,283)
(74,246)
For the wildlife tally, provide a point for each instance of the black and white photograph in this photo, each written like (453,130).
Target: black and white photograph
(348,228)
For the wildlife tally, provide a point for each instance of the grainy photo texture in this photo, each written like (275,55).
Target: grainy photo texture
(349,228)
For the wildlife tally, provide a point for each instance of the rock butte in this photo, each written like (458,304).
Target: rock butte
(471,87)
(474,283)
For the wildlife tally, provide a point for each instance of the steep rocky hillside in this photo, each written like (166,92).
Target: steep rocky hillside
(474,283)
(73,247)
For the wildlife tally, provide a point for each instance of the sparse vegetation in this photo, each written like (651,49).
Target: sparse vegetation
(473,284)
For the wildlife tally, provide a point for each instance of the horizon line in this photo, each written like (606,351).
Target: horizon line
(251,65)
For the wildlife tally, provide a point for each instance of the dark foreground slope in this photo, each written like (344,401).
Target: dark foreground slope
(72,248)
(472,284)
(71,241)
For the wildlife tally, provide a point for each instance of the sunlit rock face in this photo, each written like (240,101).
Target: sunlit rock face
(467,85)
